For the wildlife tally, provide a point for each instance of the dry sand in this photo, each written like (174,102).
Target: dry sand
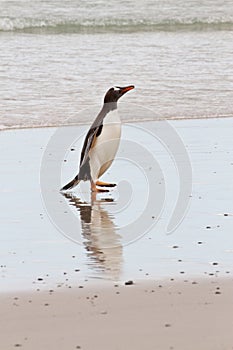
(175,315)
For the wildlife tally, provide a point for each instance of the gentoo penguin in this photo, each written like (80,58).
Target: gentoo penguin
(101,143)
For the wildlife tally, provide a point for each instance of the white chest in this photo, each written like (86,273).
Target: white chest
(111,127)
(106,145)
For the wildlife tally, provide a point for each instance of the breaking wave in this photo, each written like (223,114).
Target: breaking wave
(57,26)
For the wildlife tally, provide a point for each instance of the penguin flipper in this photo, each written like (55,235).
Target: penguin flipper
(89,142)
(84,170)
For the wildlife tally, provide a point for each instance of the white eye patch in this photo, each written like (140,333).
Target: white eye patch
(116,88)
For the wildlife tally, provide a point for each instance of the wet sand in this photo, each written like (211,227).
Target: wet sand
(61,293)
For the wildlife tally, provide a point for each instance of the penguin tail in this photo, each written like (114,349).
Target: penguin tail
(71,184)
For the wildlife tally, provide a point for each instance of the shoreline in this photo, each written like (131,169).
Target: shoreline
(130,121)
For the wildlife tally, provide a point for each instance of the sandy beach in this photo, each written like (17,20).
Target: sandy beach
(66,290)
(174,315)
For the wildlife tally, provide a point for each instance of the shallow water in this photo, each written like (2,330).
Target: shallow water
(57,59)
(36,254)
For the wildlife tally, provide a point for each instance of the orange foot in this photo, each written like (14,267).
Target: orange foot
(95,189)
(104,184)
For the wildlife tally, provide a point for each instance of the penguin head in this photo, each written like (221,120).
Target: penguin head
(116,92)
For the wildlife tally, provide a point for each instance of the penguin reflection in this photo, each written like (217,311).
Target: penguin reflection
(99,232)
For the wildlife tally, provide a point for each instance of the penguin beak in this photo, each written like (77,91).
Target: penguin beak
(126,89)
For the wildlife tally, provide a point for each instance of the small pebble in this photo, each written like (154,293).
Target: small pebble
(128,283)
(104,313)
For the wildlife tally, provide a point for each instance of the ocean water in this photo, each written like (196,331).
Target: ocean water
(58,58)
